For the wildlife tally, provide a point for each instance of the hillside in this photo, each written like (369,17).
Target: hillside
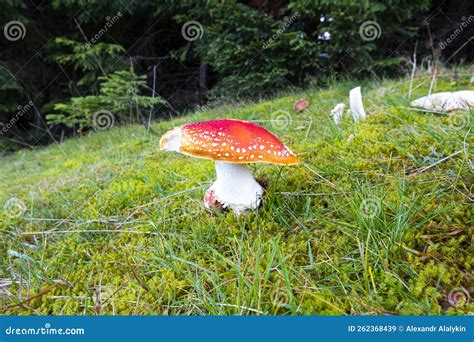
(376,219)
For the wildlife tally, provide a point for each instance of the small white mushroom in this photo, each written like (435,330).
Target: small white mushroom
(357,108)
(337,112)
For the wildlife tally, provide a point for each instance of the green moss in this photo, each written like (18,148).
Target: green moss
(119,227)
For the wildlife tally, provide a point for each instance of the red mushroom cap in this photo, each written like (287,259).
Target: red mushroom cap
(231,141)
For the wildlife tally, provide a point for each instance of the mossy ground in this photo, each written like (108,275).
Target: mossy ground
(114,226)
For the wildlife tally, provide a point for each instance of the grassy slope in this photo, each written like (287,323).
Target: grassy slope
(119,227)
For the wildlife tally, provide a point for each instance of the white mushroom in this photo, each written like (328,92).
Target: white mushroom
(337,112)
(447,101)
(357,108)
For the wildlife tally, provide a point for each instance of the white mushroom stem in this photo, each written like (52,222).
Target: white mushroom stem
(357,108)
(337,112)
(236,188)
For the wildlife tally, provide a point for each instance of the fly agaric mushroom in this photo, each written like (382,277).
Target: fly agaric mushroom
(231,144)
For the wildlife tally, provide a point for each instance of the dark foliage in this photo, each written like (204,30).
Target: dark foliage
(66,49)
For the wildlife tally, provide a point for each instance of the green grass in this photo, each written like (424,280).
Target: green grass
(373,221)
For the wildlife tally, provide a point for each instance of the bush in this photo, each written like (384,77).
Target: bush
(254,52)
(119,98)
(364,34)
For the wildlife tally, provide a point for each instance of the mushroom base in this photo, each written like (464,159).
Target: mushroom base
(235,188)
